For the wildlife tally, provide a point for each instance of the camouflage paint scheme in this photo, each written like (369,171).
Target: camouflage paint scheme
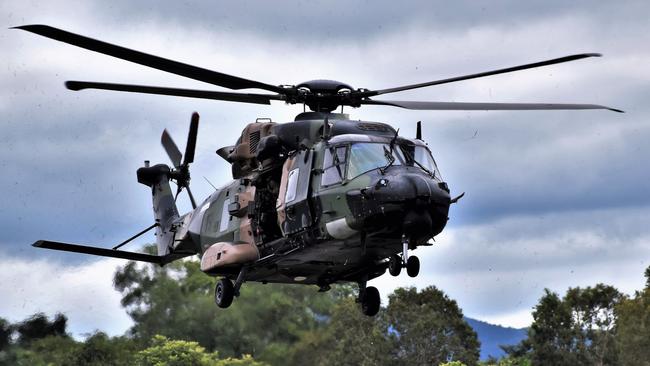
(327,233)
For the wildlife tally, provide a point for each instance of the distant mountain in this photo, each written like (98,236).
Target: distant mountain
(492,336)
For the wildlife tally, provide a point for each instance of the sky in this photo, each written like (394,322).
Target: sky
(554,199)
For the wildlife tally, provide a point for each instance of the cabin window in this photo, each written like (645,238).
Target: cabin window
(334,165)
(225,216)
(292,185)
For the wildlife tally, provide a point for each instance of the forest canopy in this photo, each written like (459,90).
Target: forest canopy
(177,323)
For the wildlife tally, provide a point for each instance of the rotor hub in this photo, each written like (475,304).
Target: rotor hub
(323,95)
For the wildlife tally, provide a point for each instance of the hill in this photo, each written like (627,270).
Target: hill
(492,336)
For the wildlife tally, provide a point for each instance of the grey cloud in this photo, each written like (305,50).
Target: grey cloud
(334,21)
(503,266)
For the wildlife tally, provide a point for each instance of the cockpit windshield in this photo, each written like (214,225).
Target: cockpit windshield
(369,156)
(357,158)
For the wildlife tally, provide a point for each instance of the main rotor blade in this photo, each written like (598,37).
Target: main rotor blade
(191,140)
(171,149)
(174,67)
(459,106)
(190,93)
(371,93)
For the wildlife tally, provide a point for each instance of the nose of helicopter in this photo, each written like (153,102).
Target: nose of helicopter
(411,203)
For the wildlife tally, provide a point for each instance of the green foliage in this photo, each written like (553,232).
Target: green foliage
(51,350)
(633,327)
(99,349)
(246,360)
(576,330)
(39,326)
(294,325)
(429,328)
(349,338)
(508,361)
(165,352)
(5,334)
(282,324)
(176,301)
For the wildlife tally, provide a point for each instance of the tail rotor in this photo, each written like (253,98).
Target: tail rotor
(181,171)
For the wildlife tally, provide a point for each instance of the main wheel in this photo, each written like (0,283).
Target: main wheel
(370,301)
(395,265)
(413,266)
(224,293)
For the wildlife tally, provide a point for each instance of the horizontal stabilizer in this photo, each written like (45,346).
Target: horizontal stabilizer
(161,260)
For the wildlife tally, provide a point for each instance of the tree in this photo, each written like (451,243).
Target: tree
(633,327)
(576,330)
(167,352)
(38,326)
(429,328)
(176,301)
(99,349)
(349,338)
(5,334)
(51,350)
(39,341)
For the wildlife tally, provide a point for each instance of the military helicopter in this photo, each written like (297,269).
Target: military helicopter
(320,200)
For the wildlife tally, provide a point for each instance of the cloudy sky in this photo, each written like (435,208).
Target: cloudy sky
(554,198)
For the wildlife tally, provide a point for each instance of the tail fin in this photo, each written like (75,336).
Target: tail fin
(164,206)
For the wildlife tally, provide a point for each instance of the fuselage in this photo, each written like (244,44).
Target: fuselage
(332,209)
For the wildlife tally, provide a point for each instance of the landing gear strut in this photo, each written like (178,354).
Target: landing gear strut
(226,291)
(369,299)
(412,263)
(395,265)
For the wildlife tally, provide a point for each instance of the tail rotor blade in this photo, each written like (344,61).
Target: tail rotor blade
(171,148)
(189,193)
(191,139)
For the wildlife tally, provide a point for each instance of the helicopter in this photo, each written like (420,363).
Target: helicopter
(319,200)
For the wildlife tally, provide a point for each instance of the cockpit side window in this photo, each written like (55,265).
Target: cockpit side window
(334,165)
(420,156)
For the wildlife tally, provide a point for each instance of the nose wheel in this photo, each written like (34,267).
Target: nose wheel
(396,263)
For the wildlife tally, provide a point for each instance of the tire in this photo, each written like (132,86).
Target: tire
(224,293)
(395,265)
(370,302)
(413,266)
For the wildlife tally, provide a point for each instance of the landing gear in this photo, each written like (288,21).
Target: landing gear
(368,298)
(412,263)
(413,266)
(370,301)
(224,293)
(395,265)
